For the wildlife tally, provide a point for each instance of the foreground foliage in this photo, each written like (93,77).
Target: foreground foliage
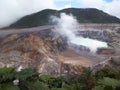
(29,79)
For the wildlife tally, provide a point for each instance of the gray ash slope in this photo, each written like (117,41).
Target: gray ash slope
(88,15)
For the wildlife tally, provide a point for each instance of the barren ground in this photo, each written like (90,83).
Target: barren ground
(69,56)
(72,57)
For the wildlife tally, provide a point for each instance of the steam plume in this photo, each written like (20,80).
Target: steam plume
(67,24)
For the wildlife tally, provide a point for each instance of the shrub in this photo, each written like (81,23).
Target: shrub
(33,85)
(76,87)
(107,84)
(53,82)
(7,74)
(9,86)
(58,89)
(108,72)
(27,73)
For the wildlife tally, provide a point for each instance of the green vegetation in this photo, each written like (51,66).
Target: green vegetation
(107,84)
(89,15)
(29,79)
(108,72)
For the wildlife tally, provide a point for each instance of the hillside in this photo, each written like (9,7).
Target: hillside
(88,15)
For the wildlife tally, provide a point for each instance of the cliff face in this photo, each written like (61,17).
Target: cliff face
(31,50)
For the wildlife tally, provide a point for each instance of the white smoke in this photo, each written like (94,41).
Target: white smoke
(67,24)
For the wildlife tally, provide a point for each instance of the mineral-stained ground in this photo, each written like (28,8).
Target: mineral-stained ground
(47,51)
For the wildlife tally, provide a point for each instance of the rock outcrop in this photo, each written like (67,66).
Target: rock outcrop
(41,53)
(101,35)
(113,62)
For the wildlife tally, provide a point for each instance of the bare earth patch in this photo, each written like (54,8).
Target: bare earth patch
(72,57)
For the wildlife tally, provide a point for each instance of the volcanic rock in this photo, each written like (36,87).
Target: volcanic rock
(49,52)
(29,50)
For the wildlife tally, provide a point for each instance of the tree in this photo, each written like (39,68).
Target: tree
(107,84)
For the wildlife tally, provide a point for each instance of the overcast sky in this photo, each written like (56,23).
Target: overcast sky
(12,10)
